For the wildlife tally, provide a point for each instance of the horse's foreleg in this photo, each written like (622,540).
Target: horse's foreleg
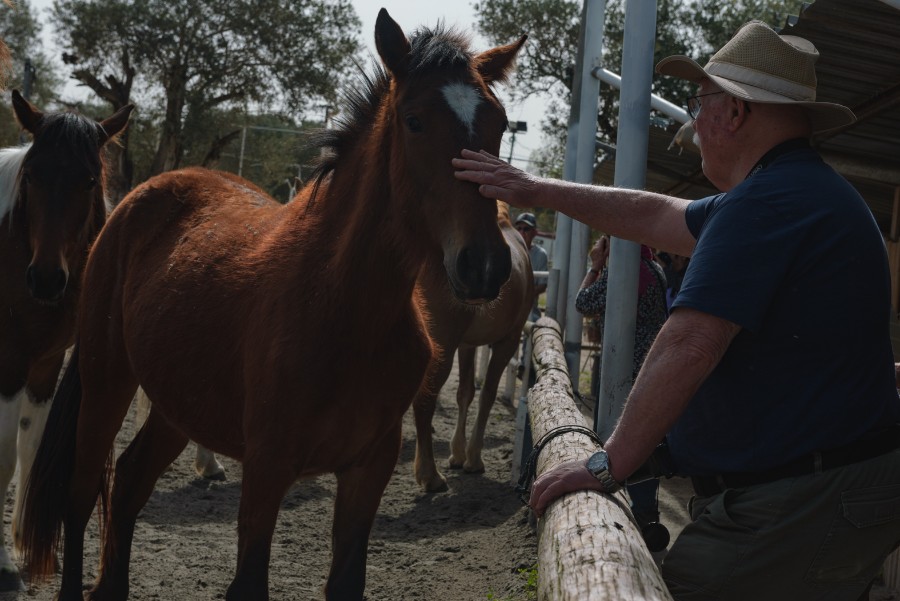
(501,353)
(156,446)
(207,466)
(32,419)
(464,395)
(267,477)
(359,491)
(427,474)
(9,422)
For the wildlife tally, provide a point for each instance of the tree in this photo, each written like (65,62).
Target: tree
(192,57)
(21,31)
(694,28)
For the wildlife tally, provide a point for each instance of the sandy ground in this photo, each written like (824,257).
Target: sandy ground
(471,543)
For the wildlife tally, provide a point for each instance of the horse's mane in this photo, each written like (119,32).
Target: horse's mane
(438,48)
(78,134)
(11,160)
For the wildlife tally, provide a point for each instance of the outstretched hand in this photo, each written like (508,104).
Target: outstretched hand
(497,179)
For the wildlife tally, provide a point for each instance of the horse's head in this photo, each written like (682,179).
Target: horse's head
(61,191)
(441,101)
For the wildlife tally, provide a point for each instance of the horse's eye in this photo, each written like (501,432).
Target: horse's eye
(505,126)
(413,124)
(24,178)
(91,183)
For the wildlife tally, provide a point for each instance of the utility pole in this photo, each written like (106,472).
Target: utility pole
(515,127)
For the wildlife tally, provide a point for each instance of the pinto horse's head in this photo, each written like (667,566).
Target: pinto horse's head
(61,192)
(441,101)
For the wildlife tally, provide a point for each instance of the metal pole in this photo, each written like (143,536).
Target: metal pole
(243,142)
(631,172)
(587,94)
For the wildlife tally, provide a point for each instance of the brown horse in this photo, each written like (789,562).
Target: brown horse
(51,208)
(250,326)
(498,324)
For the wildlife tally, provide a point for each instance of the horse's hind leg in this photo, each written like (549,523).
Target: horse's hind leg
(9,422)
(107,393)
(154,448)
(359,491)
(501,353)
(464,395)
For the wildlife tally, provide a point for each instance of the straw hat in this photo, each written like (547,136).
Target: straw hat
(758,65)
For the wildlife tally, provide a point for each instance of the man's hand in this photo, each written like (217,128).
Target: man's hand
(567,477)
(497,179)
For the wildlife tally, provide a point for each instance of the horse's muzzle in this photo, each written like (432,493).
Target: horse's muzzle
(46,285)
(477,276)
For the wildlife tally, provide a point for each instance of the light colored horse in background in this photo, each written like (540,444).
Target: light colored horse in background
(461,330)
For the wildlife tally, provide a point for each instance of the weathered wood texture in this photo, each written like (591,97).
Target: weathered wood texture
(589,547)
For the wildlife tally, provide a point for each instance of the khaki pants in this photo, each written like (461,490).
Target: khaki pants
(822,536)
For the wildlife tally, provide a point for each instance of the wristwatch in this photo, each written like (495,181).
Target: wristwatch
(598,465)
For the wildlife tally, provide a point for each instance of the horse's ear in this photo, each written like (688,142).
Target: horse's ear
(111,126)
(496,64)
(27,114)
(391,42)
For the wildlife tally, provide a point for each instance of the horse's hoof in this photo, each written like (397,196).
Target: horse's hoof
(474,469)
(438,484)
(455,464)
(11,582)
(216,475)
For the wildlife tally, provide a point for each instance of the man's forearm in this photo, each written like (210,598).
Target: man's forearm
(653,219)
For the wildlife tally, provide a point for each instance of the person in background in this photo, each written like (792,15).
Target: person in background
(788,430)
(651,315)
(674,266)
(526,225)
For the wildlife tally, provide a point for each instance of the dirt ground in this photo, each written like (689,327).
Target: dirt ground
(465,544)
(471,543)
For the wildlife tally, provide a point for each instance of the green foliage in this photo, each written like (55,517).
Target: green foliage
(695,28)
(201,67)
(21,30)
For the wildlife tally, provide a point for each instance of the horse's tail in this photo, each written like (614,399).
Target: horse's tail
(47,488)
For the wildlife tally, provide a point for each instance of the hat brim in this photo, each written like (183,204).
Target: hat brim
(823,116)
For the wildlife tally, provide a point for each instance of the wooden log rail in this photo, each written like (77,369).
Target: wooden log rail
(589,547)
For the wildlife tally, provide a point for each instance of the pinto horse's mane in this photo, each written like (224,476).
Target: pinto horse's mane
(438,48)
(11,160)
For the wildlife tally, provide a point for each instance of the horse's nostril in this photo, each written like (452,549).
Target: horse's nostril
(61,279)
(30,278)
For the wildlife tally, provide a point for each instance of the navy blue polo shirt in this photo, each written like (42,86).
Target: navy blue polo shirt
(794,257)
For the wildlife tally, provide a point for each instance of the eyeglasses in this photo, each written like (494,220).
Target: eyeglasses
(693,103)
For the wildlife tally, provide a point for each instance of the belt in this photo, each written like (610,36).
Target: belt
(865,448)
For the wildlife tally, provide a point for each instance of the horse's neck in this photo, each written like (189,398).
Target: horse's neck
(365,240)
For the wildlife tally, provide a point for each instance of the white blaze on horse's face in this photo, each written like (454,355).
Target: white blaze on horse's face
(464,101)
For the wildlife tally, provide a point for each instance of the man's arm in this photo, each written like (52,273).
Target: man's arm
(688,347)
(653,219)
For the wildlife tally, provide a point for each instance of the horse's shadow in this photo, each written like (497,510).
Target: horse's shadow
(205,501)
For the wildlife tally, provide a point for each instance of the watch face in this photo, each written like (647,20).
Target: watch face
(599,462)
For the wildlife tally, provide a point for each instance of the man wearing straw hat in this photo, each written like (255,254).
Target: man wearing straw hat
(772,380)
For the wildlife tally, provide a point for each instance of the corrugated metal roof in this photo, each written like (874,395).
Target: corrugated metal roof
(859,67)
